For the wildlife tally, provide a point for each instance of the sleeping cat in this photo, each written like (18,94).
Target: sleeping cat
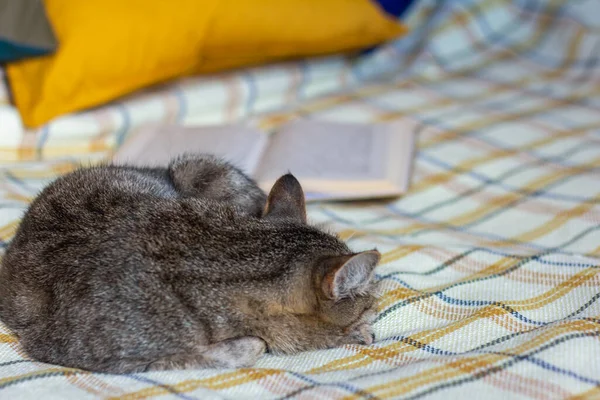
(123,269)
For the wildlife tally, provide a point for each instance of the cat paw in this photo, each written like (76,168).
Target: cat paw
(240,352)
(360,334)
(362,331)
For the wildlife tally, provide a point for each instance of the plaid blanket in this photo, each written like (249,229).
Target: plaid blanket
(491,263)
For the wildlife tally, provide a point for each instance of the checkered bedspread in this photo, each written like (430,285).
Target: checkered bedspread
(491,263)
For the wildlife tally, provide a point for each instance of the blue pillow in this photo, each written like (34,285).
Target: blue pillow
(395,7)
(24,30)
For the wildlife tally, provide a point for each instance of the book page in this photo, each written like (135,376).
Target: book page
(325,151)
(342,161)
(401,151)
(157,145)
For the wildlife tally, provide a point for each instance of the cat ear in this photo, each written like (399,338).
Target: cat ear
(350,274)
(286,200)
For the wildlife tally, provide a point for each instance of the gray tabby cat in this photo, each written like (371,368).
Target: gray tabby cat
(123,269)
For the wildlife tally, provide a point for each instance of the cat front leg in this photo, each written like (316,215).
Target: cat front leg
(288,335)
(236,353)
(232,353)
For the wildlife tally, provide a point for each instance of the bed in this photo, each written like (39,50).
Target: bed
(491,262)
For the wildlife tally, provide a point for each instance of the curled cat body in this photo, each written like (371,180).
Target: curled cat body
(123,269)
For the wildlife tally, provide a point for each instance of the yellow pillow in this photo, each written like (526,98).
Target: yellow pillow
(109,48)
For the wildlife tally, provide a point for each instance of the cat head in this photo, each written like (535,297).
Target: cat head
(329,285)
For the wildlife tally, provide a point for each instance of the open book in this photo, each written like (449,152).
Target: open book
(332,161)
